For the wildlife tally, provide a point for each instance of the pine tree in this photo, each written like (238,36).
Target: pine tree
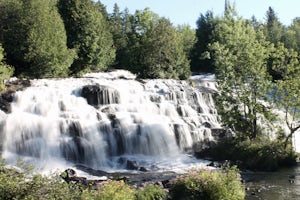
(199,60)
(89,34)
(35,39)
(120,24)
(273,28)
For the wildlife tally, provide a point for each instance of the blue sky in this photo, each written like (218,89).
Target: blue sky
(188,11)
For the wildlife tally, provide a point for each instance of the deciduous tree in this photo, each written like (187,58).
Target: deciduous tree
(286,94)
(240,55)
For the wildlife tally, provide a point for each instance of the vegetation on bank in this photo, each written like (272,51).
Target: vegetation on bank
(257,155)
(17,184)
(209,185)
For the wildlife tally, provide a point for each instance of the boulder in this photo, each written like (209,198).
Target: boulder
(97,95)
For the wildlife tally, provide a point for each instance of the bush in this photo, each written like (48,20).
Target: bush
(19,184)
(209,185)
(258,154)
(151,192)
(110,190)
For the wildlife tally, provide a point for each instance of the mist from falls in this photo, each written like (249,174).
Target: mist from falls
(103,120)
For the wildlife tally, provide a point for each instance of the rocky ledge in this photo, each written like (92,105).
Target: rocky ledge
(133,178)
(7,96)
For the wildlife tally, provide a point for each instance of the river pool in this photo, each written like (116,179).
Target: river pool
(281,185)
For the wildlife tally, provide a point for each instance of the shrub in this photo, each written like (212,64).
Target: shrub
(209,185)
(19,183)
(111,190)
(151,192)
(259,154)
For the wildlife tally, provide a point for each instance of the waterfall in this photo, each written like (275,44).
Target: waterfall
(102,119)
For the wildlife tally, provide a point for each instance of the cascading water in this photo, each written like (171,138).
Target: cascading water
(104,119)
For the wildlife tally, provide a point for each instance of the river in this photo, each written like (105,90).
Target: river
(281,185)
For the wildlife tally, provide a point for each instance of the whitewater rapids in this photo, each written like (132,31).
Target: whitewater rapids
(105,120)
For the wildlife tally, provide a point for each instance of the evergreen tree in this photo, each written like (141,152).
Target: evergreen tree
(88,33)
(35,38)
(273,28)
(199,60)
(122,32)
(240,55)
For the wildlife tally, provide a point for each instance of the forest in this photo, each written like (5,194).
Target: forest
(256,63)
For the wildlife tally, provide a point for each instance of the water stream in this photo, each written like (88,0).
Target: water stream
(281,185)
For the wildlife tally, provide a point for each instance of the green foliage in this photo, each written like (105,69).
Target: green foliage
(88,32)
(5,71)
(149,45)
(20,184)
(209,185)
(293,36)
(159,55)
(286,94)
(111,190)
(259,154)
(205,27)
(240,54)
(34,38)
(151,192)
(187,37)
(273,28)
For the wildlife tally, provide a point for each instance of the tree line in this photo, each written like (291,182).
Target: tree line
(61,38)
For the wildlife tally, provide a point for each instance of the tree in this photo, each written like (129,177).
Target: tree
(148,45)
(240,54)
(121,28)
(273,28)
(291,37)
(155,48)
(34,38)
(205,27)
(87,32)
(187,38)
(160,54)
(5,70)
(286,94)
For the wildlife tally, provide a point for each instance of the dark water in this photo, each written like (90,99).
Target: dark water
(282,185)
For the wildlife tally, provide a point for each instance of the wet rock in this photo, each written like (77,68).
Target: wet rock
(97,95)
(7,96)
(70,175)
(207,125)
(5,99)
(131,165)
(133,178)
(143,169)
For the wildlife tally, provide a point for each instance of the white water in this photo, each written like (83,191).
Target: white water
(152,122)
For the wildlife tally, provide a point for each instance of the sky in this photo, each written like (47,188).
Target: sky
(181,12)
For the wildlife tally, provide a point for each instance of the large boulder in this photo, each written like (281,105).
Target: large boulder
(97,95)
